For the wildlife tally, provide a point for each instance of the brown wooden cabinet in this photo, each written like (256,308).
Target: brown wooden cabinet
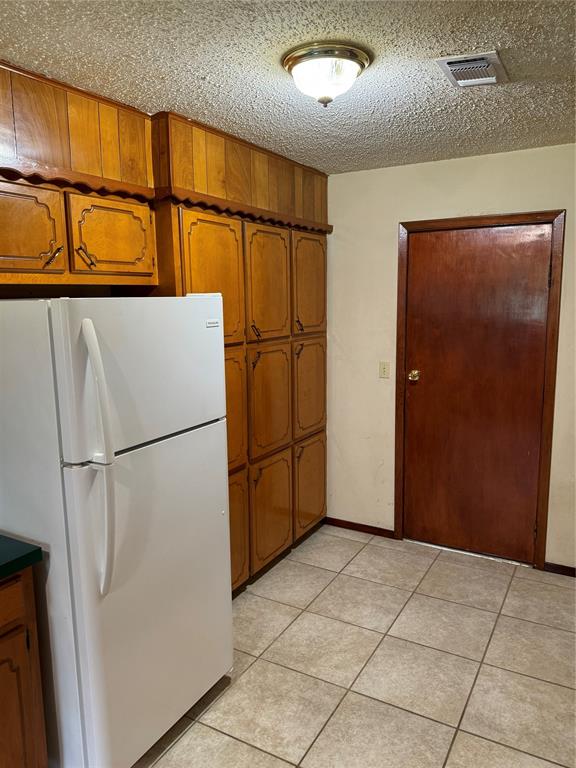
(269,390)
(309,483)
(236,406)
(239,527)
(22,737)
(111,236)
(270,508)
(213,262)
(308,283)
(267,282)
(32,229)
(309,388)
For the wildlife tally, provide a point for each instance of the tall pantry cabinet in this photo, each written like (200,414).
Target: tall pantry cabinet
(264,249)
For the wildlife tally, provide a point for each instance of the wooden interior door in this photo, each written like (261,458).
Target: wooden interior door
(308,283)
(111,236)
(269,393)
(32,229)
(214,263)
(270,508)
(267,282)
(236,406)
(309,483)
(309,366)
(239,527)
(474,374)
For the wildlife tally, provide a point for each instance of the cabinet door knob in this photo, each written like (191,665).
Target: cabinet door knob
(299,324)
(52,256)
(256,331)
(414,375)
(85,256)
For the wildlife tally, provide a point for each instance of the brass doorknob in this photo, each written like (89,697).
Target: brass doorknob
(413,375)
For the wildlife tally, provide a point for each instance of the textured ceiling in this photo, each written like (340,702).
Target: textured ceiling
(219,62)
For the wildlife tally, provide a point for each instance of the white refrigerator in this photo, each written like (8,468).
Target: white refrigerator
(113,458)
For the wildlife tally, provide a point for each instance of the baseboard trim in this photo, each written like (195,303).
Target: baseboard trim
(564,570)
(373,529)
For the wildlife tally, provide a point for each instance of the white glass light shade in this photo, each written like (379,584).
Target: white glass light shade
(325,78)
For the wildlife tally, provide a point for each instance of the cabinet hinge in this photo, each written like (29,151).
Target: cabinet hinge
(27,639)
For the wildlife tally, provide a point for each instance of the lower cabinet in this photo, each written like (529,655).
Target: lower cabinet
(309,483)
(239,527)
(270,508)
(22,737)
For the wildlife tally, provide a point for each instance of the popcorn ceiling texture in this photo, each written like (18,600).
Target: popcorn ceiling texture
(219,63)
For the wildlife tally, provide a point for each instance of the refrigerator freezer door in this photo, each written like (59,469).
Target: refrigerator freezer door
(163,362)
(162,635)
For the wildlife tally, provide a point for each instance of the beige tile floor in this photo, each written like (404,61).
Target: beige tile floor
(362,652)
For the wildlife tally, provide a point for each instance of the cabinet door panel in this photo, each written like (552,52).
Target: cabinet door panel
(38,244)
(133,147)
(269,397)
(267,282)
(109,236)
(83,122)
(213,263)
(236,406)
(239,527)
(309,483)
(309,385)
(270,508)
(308,283)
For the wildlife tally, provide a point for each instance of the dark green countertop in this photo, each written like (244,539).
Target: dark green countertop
(16,555)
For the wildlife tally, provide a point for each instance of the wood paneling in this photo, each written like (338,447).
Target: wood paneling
(308,283)
(267,282)
(215,165)
(84,127)
(41,121)
(239,527)
(213,262)
(236,406)
(269,390)
(260,182)
(111,236)
(7,135)
(309,463)
(182,143)
(200,171)
(270,508)
(309,370)
(109,141)
(133,160)
(471,437)
(238,172)
(281,185)
(32,229)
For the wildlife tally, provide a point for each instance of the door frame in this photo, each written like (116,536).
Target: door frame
(557,219)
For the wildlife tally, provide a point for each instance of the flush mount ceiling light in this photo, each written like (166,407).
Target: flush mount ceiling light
(325,70)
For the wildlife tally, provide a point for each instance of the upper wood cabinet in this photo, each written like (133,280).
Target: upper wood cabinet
(213,262)
(309,370)
(111,236)
(199,164)
(308,283)
(32,230)
(267,282)
(309,483)
(269,398)
(236,406)
(270,508)
(62,133)
(239,527)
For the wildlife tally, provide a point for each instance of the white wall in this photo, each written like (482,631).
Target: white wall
(365,209)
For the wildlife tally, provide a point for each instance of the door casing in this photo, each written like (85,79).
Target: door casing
(557,220)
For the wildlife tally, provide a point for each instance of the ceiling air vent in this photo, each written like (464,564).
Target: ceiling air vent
(473,69)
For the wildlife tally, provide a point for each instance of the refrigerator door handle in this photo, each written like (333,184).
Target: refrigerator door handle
(95,358)
(109,527)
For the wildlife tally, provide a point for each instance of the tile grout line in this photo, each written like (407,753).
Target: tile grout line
(465,707)
(349,689)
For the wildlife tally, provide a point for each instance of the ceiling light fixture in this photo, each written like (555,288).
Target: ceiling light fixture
(325,70)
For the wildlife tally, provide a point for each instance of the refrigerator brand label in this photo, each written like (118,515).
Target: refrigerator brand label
(212,323)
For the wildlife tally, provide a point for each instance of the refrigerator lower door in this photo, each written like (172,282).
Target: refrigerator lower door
(161,635)
(160,361)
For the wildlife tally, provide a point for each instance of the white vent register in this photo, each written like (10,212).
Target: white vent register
(474,69)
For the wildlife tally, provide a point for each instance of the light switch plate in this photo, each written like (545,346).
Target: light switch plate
(384,370)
